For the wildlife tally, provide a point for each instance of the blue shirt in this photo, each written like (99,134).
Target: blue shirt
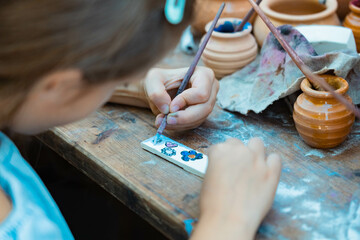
(34,214)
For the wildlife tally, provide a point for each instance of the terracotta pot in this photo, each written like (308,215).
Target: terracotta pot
(205,11)
(352,21)
(343,8)
(225,53)
(319,118)
(305,12)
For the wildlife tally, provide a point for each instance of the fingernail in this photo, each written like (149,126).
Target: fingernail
(175,108)
(165,109)
(158,121)
(171,120)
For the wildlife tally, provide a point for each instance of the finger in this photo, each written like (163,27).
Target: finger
(159,119)
(215,151)
(190,115)
(274,163)
(181,127)
(202,72)
(153,108)
(234,141)
(158,95)
(203,84)
(194,112)
(257,146)
(190,97)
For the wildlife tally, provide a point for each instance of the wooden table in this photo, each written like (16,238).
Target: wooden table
(317,198)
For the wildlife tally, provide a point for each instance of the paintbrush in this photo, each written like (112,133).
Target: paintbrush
(315,80)
(240,27)
(191,69)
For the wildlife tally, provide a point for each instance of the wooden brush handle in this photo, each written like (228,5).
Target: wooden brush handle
(246,18)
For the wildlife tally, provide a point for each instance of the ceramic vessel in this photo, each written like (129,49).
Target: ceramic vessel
(343,8)
(305,12)
(352,21)
(319,118)
(205,11)
(226,53)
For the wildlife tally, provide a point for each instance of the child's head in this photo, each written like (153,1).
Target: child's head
(56,57)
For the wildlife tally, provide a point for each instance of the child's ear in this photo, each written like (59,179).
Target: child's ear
(60,86)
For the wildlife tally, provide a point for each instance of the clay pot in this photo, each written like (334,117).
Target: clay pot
(305,12)
(352,21)
(343,8)
(319,118)
(205,11)
(226,53)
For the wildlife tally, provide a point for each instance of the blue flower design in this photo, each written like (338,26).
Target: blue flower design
(191,155)
(168,151)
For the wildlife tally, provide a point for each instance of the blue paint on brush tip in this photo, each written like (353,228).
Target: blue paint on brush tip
(157,139)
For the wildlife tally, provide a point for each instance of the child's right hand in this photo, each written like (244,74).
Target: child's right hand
(238,190)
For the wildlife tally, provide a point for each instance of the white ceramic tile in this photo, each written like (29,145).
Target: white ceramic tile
(179,154)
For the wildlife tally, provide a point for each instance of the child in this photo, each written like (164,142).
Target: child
(60,60)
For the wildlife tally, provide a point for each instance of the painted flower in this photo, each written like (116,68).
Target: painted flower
(171,144)
(168,151)
(191,155)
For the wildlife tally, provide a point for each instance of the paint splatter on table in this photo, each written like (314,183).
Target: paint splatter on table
(318,196)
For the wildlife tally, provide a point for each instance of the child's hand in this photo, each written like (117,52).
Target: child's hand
(238,190)
(189,109)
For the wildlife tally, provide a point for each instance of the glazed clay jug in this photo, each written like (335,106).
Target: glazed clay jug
(352,21)
(304,12)
(205,11)
(226,53)
(321,120)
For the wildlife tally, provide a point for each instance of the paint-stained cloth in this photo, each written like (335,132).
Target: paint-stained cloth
(273,75)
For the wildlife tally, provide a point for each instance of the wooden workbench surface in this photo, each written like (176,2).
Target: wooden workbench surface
(318,196)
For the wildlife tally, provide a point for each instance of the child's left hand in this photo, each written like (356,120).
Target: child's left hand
(190,108)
